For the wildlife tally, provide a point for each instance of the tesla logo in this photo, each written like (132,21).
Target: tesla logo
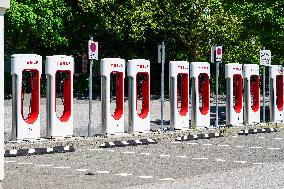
(63,63)
(142,66)
(117,65)
(31,62)
(183,67)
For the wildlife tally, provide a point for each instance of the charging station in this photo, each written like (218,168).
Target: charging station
(112,79)
(26,71)
(234,99)
(251,93)
(59,71)
(179,94)
(138,72)
(200,94)
(276,93)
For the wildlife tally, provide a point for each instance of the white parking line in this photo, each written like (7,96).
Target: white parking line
(164,155)
(123,174)
(82,170)
(201,158)
(176,142)
(262,137)
(239,146)
(145,153)
(255,147)
(278,138)
(274,148)
(181,156)
(43,165)
(129,152)
(96,149)
(110,150)
(192,143)
(146,177)
(239,161)
(258,163)
(103,172)
(167,179)
(220,160)
(223,145)
(25,163)
(207,144)
(62,167)
(9,161)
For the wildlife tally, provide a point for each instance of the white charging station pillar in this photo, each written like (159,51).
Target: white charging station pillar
(112,72)
(251,93)
(30,65)
(234,99)
(200,94)
(276,93)
(138,71)
(179,94)
(4,5)
(59,69)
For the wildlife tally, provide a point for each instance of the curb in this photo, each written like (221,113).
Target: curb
(255,131)
(199,136)
(38,151)
(128,143)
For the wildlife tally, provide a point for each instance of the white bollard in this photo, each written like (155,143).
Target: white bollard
(251,93)
(179,94)
(276,93)
(200,94)
(234,99)
(26,127)
(112,68)
(138,71)
(4,5)
(59,67)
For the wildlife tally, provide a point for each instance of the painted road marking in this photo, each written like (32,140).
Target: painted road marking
(274,148)
(207,144)
(9,161)
(167,179)
(278,138)
(255,147)
(146,177)
(96,149)
(103,172)
(82,170)
(62,167)
(25,163)
(129,152)
(44,165)
(239,146)
(181,156)
(221,160)
(164,155)
(110,150)
(145,153)
(176,142)
(257,163)
(123,174)
(223,145)
(239,161)
(262,137)
(201,158)
(192,143)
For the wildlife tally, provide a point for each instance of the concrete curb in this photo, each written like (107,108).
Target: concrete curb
(38,151)
(255,131)
(199,136)
(128,143)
